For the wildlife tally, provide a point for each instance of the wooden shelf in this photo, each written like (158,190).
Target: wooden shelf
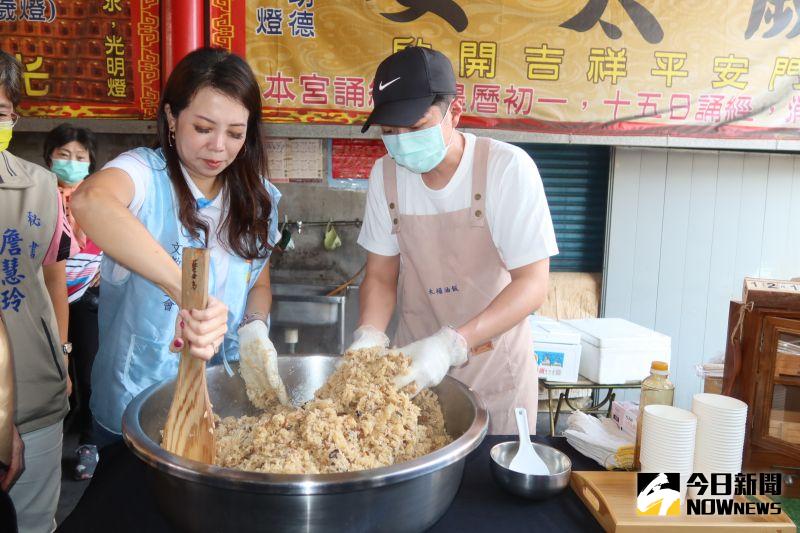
(788,381)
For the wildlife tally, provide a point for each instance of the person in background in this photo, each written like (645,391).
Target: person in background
(70,153)
(204,186)
(35,240)
(461,226)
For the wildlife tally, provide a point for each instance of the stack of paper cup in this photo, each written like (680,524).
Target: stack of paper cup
(668,436)
(720,433)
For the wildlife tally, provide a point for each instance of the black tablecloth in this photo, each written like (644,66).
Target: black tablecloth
(118,499)
(8,519)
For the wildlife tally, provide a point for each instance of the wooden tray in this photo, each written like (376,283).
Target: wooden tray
(611,498)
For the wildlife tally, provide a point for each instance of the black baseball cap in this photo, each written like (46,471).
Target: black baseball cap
(405,85)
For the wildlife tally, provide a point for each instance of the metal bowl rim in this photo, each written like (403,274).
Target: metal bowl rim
(158,458)
(499,445)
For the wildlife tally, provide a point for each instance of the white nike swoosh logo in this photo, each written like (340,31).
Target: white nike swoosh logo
(382,86)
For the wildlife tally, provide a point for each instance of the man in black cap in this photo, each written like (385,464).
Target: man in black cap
(461,225)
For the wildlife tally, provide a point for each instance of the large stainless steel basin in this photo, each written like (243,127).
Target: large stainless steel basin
(193,496)
(297,304)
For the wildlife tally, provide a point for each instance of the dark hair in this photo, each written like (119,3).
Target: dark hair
(11,77)
(65,134)
(249,205)
(443,101)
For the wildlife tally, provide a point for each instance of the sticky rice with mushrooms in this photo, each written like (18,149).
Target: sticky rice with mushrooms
(356,421)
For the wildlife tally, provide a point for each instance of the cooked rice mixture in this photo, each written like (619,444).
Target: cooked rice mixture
(356,421)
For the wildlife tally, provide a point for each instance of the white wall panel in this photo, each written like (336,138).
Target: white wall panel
(688,347)
(751,217)
(685,228)
(791,257)
(677,195)
(721,282)
(649,222)
(622,224)
(776,213)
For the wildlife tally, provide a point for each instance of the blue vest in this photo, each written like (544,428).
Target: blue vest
(136,319)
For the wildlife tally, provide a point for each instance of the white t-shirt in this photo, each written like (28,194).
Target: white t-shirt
(516,206)
(141,174)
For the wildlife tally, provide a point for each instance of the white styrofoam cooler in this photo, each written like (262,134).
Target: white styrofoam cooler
(617,351)
(557,348)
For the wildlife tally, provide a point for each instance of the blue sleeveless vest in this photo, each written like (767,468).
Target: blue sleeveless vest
(136,319)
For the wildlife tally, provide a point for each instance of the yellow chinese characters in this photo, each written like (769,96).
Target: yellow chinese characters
(785,66)
(478,58)
(729,70)
(115,66)
(670,65)
(31,74)
(110,6)
(544,63)
(399,43)
(607,63)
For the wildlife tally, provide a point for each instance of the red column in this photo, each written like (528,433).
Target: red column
(182,30)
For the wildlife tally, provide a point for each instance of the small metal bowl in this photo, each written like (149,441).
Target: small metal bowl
(527,485)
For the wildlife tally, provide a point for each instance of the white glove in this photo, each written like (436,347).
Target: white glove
(258,363)
(432,357)
(600,439)
(368,337)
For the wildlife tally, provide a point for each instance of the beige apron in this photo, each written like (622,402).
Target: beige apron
(450,271)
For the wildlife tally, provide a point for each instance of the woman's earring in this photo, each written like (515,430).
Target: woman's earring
(171,138)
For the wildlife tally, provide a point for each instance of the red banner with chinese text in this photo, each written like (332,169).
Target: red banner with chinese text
(354,158)
(86,59)
(715,69)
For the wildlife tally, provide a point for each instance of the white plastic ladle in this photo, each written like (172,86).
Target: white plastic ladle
(527,461)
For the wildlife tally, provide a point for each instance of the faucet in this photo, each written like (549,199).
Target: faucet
(290,337)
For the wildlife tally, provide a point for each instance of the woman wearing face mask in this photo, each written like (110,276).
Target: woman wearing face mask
(203,186)
(461,225)
(70,153)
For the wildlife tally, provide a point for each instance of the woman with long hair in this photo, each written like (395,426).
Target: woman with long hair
(204,186)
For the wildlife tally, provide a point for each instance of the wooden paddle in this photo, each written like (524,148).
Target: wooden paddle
(189,431)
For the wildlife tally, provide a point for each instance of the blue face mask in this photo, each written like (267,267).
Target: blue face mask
(70,172)
(418,151)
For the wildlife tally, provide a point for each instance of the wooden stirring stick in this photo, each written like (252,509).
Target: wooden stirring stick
(189,431)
